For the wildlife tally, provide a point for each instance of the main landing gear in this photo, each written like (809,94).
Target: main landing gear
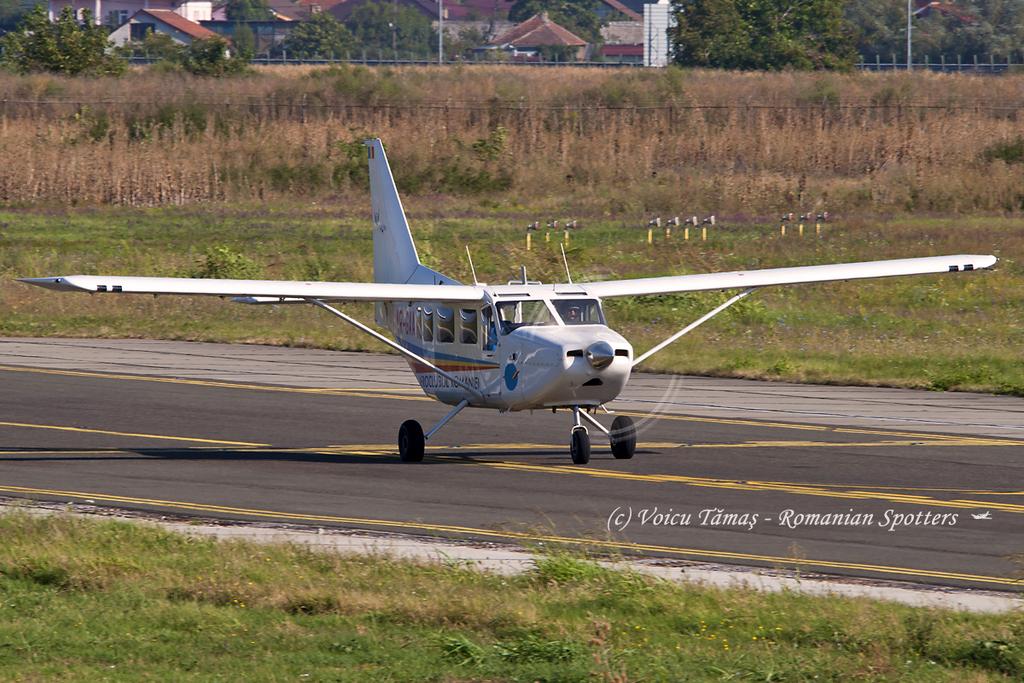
(411,439)
(622,436)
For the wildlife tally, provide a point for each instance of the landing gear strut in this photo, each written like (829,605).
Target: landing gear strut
(412,440)
(622,437)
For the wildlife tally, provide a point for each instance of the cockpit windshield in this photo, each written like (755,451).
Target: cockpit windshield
(579,311)
(516,314)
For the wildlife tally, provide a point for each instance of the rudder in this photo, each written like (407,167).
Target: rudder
(394,253)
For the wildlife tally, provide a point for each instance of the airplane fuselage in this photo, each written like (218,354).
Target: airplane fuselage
(517,353)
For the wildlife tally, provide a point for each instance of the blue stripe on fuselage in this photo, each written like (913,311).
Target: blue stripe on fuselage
(433,355)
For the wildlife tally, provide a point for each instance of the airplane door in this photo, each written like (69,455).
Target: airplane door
(489,332)
(489,346)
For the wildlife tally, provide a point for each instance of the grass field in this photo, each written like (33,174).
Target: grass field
(113,601)
(610,141)
(939,332)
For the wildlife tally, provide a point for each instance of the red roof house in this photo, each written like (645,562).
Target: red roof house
(530,38)
(160,21)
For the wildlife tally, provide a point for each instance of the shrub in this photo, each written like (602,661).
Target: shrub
(461,650)
(211,57)
(224,262)
(535,649)
(1008,151)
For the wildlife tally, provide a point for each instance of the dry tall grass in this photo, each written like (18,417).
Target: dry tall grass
(604,141)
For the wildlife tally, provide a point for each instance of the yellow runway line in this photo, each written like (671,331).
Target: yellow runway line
(83,430)
(690,553)
(882,493)
(216,384)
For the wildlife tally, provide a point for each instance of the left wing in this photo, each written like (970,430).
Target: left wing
(788,276)
(261,291)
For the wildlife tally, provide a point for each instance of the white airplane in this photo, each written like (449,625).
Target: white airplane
(519,346)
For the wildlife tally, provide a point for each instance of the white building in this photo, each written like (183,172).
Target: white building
(658,18)
(117,12)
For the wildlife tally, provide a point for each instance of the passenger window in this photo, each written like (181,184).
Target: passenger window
(445,325)
(427,326)
(467,317)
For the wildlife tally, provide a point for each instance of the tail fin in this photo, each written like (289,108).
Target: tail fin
(394,253)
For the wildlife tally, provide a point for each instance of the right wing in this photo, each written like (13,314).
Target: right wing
(788,276)
(260,291)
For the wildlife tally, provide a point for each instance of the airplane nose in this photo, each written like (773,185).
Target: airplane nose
(600,355)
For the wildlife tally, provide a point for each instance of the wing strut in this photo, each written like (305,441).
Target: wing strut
(692,326)
(396,346)
(447,418)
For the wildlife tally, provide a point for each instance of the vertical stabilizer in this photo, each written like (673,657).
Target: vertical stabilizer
(394,254)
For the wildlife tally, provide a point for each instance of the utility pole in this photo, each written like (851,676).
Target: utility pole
(440,31)
(394,29)
(910,27)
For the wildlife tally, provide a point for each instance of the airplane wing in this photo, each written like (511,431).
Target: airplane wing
(787,276)
(260,291)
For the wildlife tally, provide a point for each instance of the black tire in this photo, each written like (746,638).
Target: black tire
(623,437)
(410,441)
(579,447)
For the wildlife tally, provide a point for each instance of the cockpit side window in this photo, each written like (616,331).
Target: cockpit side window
(490,331)
(579,311)
(516,314)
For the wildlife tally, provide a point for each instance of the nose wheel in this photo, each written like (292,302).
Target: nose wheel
(579,439)
(579,445)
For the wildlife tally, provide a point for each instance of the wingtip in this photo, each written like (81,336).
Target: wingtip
(49,282)
(59,283)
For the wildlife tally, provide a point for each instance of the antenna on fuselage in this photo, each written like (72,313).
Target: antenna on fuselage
(471,268)
(566,262)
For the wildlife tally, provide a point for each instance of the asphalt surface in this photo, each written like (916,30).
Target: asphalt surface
(308,437)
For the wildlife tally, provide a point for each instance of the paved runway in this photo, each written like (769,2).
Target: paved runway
(747,473)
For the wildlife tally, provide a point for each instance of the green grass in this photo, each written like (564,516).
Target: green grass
(83,600)
(961,332)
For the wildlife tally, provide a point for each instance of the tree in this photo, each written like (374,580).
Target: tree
(245,41)
(762,34)
(981,27)
(379,26)
(322,36)
(64,46)
(713,34)
(211,57)
(248,10)
(459,44)
(161,46)
(579,16)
